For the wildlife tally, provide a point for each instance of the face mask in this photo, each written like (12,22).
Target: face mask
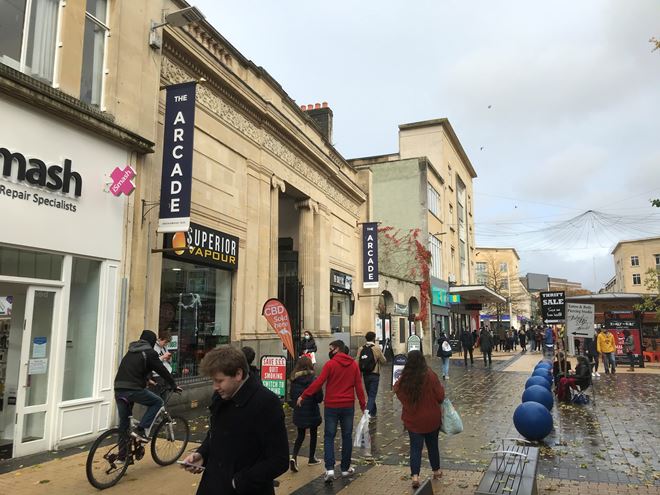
(331,354)
(306,337)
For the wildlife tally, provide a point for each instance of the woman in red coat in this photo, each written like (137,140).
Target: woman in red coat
(421,394)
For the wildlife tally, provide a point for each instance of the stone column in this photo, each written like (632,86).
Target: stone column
(276,186)
(322,283)
(306,256)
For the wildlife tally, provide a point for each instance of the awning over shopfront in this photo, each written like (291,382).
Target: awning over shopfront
(477,294)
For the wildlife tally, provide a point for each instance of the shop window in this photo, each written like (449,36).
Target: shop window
(340,317)
(96,30)
(29,46)
(195,307)
(80,357)
(30,264)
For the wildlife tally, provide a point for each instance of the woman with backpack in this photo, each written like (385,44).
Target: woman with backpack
(421,395)
(308,415)
(444,353)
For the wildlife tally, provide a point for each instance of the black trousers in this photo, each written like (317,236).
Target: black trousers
(489,355)
(299,441)
(465,355)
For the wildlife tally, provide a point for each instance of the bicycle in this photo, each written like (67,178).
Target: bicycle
(110,455)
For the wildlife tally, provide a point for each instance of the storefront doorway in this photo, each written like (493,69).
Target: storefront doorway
(27,323)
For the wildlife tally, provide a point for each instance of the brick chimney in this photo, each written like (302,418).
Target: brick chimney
(321,114)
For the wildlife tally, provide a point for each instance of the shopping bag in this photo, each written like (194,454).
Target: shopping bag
(362,437)
(451,421)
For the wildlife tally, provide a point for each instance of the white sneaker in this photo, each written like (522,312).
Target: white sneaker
(593,374)
(329,476)
(447,377)
(350,472)
(597,374)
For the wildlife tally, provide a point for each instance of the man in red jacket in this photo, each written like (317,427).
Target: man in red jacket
(344,382)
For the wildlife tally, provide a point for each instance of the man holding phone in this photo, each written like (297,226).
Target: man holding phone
(246,446)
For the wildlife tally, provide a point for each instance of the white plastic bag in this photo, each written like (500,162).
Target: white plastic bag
(362,437)
(451,421)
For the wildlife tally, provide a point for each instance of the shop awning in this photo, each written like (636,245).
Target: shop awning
(477,293)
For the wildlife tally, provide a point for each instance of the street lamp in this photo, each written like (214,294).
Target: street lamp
(178,18)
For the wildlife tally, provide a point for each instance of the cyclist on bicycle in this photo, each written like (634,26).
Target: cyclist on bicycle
(131,381)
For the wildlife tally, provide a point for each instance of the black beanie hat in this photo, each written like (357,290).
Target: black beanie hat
(149,336)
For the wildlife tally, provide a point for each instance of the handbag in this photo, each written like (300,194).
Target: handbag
(311,356)
(451,421)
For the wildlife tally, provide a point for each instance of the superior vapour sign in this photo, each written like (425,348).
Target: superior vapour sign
(177,158)
(370,255)
(553,307)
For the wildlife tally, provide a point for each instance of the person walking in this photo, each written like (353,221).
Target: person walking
(501,333)
(486,344)
(246,446)
(515,338)
(522,337)
(549,342)
(370,358)
(308,415)
(468,346)
(606,347)
(308,346)
(592,353)
(629,347)
(164,338)
(421,395)
(538,336)
(444,353)
(343,382)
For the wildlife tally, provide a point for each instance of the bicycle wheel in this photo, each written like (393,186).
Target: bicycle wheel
(103,469)
(170,440)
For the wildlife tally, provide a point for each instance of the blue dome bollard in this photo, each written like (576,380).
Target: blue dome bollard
(537,380)
(532,420)
(543,365)
(540,394)
(545,373)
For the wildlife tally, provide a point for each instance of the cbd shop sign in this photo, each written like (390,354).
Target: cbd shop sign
(176,182)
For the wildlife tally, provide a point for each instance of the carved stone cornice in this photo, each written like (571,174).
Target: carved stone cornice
(39,95)
(224,106)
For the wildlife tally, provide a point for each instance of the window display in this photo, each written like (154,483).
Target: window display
(195,307)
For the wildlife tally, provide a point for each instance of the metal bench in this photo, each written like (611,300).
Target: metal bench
(512,471)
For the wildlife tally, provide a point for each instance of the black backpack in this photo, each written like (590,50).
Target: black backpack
(367,359)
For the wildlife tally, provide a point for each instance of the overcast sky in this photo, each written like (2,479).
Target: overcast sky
(556,103)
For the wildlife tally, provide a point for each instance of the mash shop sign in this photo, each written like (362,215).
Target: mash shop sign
(370,255)
(204,246)
(177,158)
(553,307)
(22,170)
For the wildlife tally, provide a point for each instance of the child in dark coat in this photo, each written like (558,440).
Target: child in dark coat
(308,415)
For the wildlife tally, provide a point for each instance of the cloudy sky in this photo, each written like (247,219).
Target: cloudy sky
(556,104)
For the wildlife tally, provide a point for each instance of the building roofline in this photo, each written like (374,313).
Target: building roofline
(477,248)
(444,122)
(634,240)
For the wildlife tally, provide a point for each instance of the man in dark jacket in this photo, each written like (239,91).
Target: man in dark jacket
(486,345)
(468,346)
(131,380)
(246,446)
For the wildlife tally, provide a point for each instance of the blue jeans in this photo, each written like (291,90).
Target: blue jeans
(445,366)
(371,388)
(342,416)
(144,397)
(417,441)
(609,362)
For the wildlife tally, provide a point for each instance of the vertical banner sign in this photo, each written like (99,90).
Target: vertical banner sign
(278,318)
(273,374)
(177,158)
(414,343)
(553,307)
(370,255)
(580,320)
(398,363)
